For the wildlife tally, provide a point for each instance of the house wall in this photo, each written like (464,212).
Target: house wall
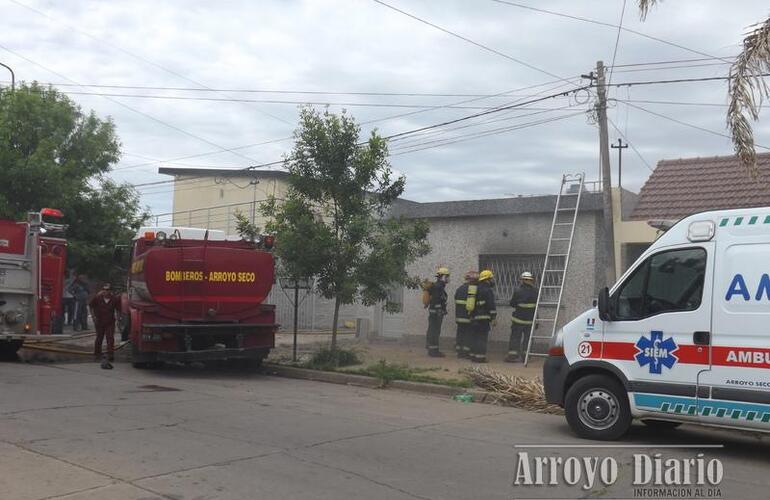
(194,197)
(458,242)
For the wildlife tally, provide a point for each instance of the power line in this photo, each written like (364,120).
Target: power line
(673,103)
(274,101)
(126,106)
(686,124)
(466,39)
(602,23)
(266,91)
(676,61)
(617,129)
(128,52)
(684,66)
(677,80)
(617,41)
(421,129)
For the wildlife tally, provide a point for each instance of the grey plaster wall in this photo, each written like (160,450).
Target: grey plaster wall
(457,243)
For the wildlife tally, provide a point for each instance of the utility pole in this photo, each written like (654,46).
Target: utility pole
(604,154)
(13,76)
(620,147)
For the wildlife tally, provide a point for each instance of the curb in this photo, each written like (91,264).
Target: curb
(479,396)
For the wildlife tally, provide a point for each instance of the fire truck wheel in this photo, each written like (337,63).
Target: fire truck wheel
(8,349)
(597,407)
(661,424)
(139,360)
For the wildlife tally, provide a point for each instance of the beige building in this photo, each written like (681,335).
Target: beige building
(209,198)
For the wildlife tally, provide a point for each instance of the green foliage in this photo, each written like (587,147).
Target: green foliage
(328,359)
(54,155)
(333,223)
(244,227)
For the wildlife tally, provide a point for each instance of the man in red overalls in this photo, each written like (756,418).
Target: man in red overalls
(103,307)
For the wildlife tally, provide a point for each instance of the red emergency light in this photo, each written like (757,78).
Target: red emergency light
(52,212)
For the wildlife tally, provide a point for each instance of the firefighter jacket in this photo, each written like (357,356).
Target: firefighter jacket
(485,304)
(438,298)
(462,316)
(523,303)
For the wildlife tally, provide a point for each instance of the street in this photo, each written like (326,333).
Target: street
(77,432)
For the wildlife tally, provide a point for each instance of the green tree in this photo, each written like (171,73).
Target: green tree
(54,155)
(746,88)
(334,223)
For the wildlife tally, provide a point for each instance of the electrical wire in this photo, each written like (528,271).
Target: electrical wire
(126,106)
(636,151)
(610,25)
(617,42)
(102,41)
(686,124)
(472,42)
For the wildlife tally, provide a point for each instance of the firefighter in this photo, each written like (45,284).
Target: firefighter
(523,303)
(484,315)
(436,312)
(463,312)
(104,307)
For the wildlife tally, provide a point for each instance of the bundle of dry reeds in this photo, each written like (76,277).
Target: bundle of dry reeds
(520,392)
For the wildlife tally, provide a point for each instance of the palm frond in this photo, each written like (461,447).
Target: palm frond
(645,6)
(747,90)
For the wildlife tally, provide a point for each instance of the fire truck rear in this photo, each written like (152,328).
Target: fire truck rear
(32,264)
(194,295)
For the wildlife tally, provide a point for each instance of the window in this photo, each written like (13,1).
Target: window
(507,268)
(665,282)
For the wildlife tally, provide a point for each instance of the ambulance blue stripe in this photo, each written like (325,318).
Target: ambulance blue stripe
(719,408)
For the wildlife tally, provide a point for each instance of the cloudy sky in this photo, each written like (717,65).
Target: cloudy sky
(229,75)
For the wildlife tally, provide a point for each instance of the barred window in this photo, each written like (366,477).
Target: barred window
(507,268)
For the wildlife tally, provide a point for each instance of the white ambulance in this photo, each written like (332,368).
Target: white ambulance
(683,336)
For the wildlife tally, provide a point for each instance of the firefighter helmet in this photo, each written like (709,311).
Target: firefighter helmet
(471,275)
(442,271)
(526,276)
(486,274)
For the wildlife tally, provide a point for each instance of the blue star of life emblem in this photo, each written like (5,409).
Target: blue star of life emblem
(656,352)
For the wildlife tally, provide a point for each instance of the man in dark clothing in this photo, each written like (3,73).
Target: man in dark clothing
(436,312)
(79,290)
(103,306)
(523,303)
(68,301)
(463,293)
(484,314)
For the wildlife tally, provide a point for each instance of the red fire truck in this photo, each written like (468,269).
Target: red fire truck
(33,257)
(195,295)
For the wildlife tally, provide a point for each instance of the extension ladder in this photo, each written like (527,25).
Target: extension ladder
(555,265)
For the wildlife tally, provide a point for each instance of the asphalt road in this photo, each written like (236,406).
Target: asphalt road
(77,432)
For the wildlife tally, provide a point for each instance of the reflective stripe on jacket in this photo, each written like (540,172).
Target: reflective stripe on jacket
(485,304)
(523,302)
(461,298)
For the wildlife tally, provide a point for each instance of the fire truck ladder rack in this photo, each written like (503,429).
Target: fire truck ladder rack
(555,265)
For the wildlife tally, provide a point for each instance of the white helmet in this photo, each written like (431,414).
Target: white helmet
(526,275)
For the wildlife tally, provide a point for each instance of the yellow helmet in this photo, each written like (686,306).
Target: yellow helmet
(442,271)
(486,274)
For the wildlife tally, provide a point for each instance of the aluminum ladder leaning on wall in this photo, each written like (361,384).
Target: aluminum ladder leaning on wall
(555,265)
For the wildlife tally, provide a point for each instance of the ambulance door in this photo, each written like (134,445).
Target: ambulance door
(738,382)
(655,315)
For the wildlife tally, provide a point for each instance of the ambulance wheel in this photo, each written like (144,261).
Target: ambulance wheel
(661,424)
(596,407)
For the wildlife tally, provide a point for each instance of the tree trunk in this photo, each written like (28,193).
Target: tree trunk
(334,322)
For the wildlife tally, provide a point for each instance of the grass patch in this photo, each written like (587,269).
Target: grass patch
(328,359)
(388,372)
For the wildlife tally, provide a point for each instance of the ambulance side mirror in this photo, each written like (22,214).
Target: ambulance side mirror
(604,304)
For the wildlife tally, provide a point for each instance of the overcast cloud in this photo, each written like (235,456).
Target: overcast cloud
(360,46)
